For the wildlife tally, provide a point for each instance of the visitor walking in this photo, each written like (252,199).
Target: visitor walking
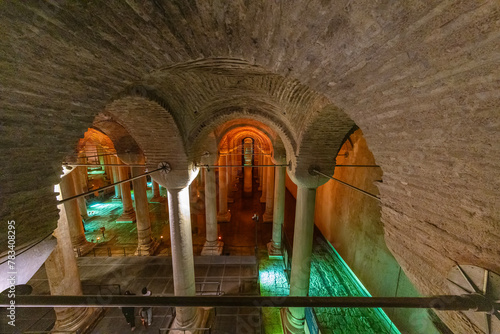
(128,312)
(146,312)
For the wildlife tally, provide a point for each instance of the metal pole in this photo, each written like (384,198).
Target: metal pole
(108,186)
(473,302)
(94,165)
(228,166)
(349,185)
(357,166)
(246,154)
(93,156)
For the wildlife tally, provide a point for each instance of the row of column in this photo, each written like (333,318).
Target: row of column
(73,184)
(227,180)
(181,238)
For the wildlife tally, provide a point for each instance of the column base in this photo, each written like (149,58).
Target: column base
(212,249)
(82,323)
(116,199)
(147,250)
(200,321)
(288,326)
(272,251)
(126,217)
(224,218)
(267,217)
(156,199)
(84,248)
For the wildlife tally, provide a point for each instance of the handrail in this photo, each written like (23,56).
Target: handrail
(49,332)
(201,292)
(167,330)
(103,285)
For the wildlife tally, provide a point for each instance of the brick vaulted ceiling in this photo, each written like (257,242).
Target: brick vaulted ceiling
(420,78)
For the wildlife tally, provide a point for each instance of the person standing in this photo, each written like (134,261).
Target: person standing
(146,312)
(128,312)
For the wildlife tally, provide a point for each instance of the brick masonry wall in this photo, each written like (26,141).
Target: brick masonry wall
(420,78)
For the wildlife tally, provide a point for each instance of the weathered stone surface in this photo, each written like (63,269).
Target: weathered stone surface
(420,78)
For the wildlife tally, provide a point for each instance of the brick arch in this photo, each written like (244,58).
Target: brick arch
(157,135)
(420,78)
(228,115)
(321,139)
(260,129)
(236,135)
(125,145)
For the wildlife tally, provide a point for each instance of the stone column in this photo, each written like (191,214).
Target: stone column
(75,224)
(155,189)
(182,255)
(268,214)
(229,177)
(80,179)
(116,177)
(274,247)
(247,181)
(223,215)
(301,257)
(212,245)
(64,279)
(260,173)
(128,214)
(145,244)
(263,180)
(109,169)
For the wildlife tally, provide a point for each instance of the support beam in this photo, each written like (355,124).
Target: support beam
(469,302)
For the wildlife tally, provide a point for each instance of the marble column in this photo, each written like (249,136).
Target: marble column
(75,224)
(212,245)
(224,215)
(64,279)
(268,214)
(274,247)
(145,244)
(294,317)
(116,177)
(182,255)
(128,214)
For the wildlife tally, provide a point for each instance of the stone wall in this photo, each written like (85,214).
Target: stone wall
(420,78)
(351,222)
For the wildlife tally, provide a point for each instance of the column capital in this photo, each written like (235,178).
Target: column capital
(179,177)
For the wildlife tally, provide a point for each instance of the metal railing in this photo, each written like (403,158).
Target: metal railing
(50,332)
(102,286)
(200,291)
(184,330)
(110,251)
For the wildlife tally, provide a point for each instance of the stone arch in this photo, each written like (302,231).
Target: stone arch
(157,135)
(229,114)
(320,141)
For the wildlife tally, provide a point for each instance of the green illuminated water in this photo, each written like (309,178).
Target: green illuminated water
(330,276)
